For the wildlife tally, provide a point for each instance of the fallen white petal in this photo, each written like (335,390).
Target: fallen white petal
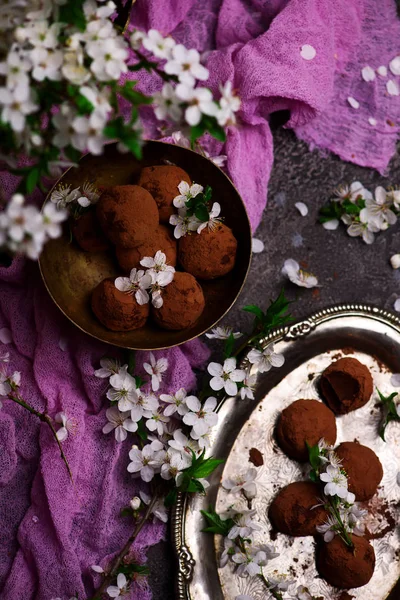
(394,65)
(5,336)
(392,88)
(308,52)
(397,305)
(257,246)
(97,569)
(382,71)
(372,121)
(62,344)
(331,225)
(353,102)
(302,208)
(368,74)
(395,261)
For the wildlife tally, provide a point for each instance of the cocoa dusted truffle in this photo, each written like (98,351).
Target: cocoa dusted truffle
(343,567)
(292,511)
(363,468)
(88,233)
(208,254)
(162,183)
(346,385)
(116,310)
(183,303)
(304,421)
(127,214)
(159,239)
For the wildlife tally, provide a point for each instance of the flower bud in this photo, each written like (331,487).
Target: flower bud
(135,503)
(395,261)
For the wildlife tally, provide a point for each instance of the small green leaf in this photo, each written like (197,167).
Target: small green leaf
(72,153)
(229,345)
(142,431)
(255,310)
(32,179)
(208,466)
(125,512)
(71,13)
(314,456)
(170,498)
(132,363)
(314,476)
(202,213)
(196,132)
(215,524)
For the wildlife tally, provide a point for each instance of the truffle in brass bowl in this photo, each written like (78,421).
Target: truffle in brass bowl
(70,274)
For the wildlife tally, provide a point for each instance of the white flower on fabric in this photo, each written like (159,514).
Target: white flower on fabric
(97,569)
(16,105)
(100,99)
(135,503)
(39,34)
(223,333)
(144,461)
(213,220)
(174,463)
(156,422)
(123,390)
(155,369)
(186,65)
(394,65)
(5,387)
(230,549)
(201,418)
(353,102)
(159,280)
(159,46)
(229,103)
(167,104)
(182,444)
(392,88)
(331,225)
(308,52)
(137,283)
(120,422)
(109,58)
(329,529)
(200,102)
(159,510)
(335,482)
(183,223)
(249,383)
(46,64)
(157,264)
(244,525)
(257,246)
(368,74)
(266,359)
(186,193)
(279,581)
(15,69)
(109,366)
(302,208)
(291,269)
(116,591)
(136,39)
(176,403)
(69,425)
(52,219)
(144,406)
(226,376)
(243,482)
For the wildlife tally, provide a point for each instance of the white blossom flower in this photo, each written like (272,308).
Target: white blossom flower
(203,440)
(329,528)
(46,64)
(159,280)
(73,68)
(243,482)
(379,211)
(280,582)
(200,101)
(123,390)
(116,591)
(176,403)
(298,276)
(69,425)
(230,549)
(181,443)
(186,65)
(136,39)
(156,421)
(249,383)
(121,422)
(213,220)
(186,193)
(161,47)
(393,196)
(39,34)
(362,228)
(201,417)
(16,105)
(167,104)
(5,358)
(88,132)
(356,518)
(226,376)
(335,482)
(137,283)
(223,333)
(144,405)
(90,195)
(174,463)
(99,99)
(5,387)
(135,503)
(249,563)
(63,195)
(109,366)
(266,359)
(109,58)
(159,510)
(302,593)
(155,369)
(244,524)
(352,193)
(183,223)
(15,69)
(52,219)
(333,459)
(157,264)
(144,461)
(229,105)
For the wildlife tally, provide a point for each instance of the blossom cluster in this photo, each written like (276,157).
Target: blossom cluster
(364,213)
(194,212)
(75,199)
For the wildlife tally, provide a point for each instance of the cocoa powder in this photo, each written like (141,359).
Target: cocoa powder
(363,468)
(346,385)
(117,310)
(183,303)
(343,567)
(292,511)
(159,239)
(162,183)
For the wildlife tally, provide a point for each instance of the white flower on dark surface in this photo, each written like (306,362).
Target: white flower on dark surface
(109,366)
(135,503)
(145,405)
(157,264)
(90,195)
(335,482)
(155,369)
(249,384)
(356,520)
(144,462)
(393,196)
(116,591)
(159,280)
(291,269)
(69,425)
(183,223)
(226,376)
(186,193)
(63,195)
(329,528)
(213,221)
(354,192)
(15,69)
(176,403)
(157,44)
(137,284)
(200,101)
(229,105)
(362,228)
(88,132)
(123,390)
(200,417)
(244,482)
(379,211)
(186,65)
(173,465)
(203,440)
(167,104)
(46,64)
(266,359)
(120,422)
(223,333)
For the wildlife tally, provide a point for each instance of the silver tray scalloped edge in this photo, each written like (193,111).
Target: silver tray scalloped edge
(308,345)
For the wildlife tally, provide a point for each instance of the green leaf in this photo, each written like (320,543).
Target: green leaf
(71,13)
(32,179)
(132,363)
(217,132)
(170,498)
(83,105)
(202,213)
(134,145)
(215,524)
(313,476)
(72,153)
(125,512)
(195,486)
(139,381)
(207,467)
(142,431)
(314,456)
(197,131)
(229,345)
(131,569)
(207,194)
(255,310)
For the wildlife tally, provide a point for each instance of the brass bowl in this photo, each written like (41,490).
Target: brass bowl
(70,274)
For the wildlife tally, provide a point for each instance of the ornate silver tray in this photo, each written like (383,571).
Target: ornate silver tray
(373,336)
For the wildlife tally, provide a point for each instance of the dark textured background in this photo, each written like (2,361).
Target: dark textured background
(348,270)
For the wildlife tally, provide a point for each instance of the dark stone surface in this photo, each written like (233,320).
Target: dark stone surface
(348,270)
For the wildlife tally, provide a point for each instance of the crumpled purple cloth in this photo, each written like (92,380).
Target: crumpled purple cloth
(51,532)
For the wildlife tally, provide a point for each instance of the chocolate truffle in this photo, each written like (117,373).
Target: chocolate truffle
(208,254)
(127,214)
(159,239)
(346,385)
(345,568)
(183,303)
(116,310)
(292,511)
(88,233)
(363,468)
(304,421)
(162,183)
